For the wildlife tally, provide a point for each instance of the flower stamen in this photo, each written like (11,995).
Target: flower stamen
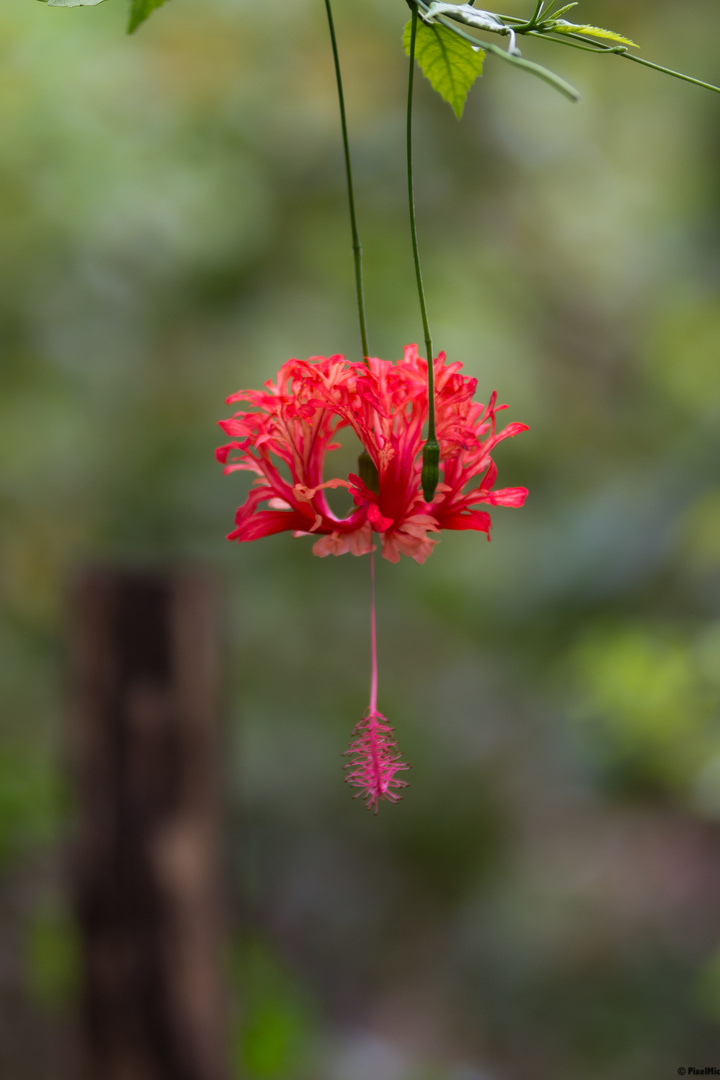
(374,748)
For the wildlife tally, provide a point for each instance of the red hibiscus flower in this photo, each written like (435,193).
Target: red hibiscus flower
(294,421)
(284,437)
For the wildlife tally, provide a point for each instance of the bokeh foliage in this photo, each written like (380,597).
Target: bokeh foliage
(544,903)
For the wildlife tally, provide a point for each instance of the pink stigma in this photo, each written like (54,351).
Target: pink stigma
(377,760)
(375,752)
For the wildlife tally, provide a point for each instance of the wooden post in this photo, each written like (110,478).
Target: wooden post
(144,758)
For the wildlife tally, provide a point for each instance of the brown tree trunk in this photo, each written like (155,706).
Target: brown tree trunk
(144,760)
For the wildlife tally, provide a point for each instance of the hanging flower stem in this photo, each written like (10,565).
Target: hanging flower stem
(431,450)
(357,249)
(373,639)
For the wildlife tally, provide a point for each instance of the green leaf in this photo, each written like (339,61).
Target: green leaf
(450,64)
(73,3)
(140,10)
(562,26)
(560,11)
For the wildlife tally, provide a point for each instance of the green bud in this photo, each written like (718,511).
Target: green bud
(430,469)
(367,471)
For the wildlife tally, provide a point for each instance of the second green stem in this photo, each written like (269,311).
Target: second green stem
(431,450)
(357,249)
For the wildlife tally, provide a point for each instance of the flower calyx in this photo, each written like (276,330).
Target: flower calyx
(430,474)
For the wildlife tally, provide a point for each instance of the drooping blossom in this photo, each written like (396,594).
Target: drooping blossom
(283,439)
(295,420)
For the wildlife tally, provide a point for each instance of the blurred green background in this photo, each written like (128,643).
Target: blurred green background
(545,902)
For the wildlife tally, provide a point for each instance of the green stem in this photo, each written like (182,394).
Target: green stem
(431,451)
(413,233)
(537,12)
(573,41)
(357,249)
(669,71)
(579,41)
(520,62)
